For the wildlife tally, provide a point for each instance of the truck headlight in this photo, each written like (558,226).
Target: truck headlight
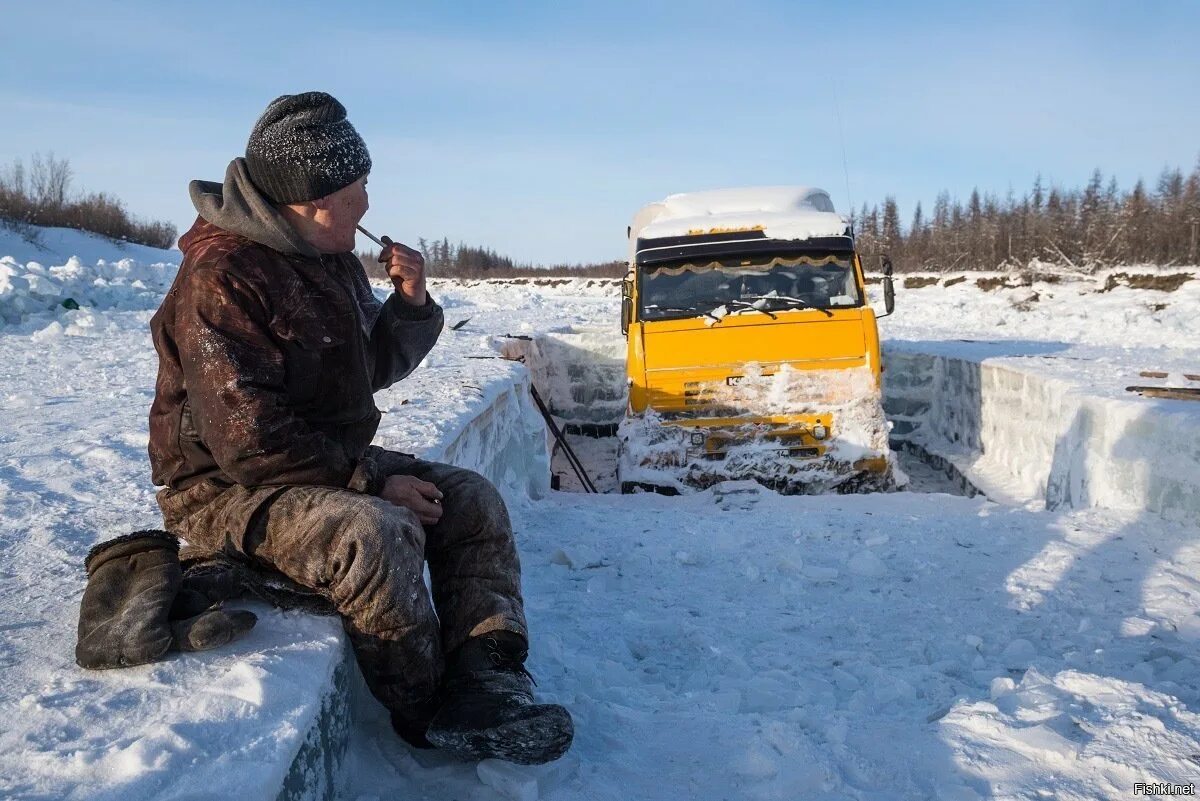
(697,438)
(819,431)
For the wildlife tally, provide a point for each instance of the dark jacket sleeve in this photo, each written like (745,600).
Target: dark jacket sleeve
(234,373)
(402,336)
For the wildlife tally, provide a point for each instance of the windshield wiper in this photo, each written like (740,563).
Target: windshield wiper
(683,309)
(799,301)
(742,305)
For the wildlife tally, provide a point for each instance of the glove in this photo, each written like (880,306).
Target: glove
(137,607)
(374,467)
(218,577)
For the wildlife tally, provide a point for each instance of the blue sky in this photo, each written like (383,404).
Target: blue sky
(539,128)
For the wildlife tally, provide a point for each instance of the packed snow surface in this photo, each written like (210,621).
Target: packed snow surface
(728,644)
(741,644)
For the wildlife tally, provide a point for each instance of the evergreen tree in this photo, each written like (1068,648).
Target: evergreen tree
(890,234)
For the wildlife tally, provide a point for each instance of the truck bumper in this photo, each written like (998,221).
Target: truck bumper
(784,454)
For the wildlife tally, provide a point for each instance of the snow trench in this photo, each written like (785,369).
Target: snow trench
(1020,435)
(991,424)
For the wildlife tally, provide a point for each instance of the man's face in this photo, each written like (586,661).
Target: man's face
(345,208)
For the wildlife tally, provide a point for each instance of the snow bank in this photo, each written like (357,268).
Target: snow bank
(1136,306)
(33,289)
(47,272)
(1019,433)
(26,243)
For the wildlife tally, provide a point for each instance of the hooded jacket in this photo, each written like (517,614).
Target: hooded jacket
(269,355)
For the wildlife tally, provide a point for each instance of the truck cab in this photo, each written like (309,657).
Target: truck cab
(751,349)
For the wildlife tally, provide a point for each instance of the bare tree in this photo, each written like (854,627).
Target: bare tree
(41,196)
(49,180)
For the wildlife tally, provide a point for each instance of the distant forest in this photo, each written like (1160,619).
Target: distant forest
(1082,230)
(1074,229)
(445,260)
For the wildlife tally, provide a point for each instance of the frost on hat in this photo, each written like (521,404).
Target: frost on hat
(303,147)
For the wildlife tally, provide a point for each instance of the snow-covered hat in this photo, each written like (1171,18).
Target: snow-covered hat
(303,147)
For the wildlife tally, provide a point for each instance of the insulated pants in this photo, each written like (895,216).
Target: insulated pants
(367,556)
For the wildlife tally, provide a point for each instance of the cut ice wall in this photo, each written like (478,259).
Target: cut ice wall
(579,372)
(504,443)
(1020,435)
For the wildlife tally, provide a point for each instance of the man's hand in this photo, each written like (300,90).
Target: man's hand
(406,268)
(414,494)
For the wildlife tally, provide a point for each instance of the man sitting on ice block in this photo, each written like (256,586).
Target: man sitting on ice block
(270,348)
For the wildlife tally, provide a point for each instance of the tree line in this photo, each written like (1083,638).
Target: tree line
(41,195)
(446,260)
(1084,229)
(1080,229)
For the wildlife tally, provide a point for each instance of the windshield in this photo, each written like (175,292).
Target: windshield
(684,289)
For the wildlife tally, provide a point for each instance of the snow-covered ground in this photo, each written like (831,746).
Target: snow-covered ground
(738,644)
(728,644)
(48,246)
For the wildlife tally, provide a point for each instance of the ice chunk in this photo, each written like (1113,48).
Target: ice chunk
(686,558)
(552,776)
(1134,626)
(765,696)
(52,331)
(866,563)
(756,763)
(959,792)
(1042,739)
(39,285)
(818,573)
(790,564)
(577,557)
(1018,654)
(510,781)
(726,702)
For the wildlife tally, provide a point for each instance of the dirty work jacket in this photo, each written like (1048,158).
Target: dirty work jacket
(268,362)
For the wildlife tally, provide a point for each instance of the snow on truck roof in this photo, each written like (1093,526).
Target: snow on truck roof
(780,212)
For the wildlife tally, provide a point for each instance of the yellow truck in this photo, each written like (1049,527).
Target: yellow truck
(752,352)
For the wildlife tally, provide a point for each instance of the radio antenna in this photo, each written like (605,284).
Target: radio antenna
(842,140)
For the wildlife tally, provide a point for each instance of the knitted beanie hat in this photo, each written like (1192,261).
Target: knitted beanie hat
(303,147)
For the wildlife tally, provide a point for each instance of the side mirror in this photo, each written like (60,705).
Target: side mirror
(889,289)
(626,305)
